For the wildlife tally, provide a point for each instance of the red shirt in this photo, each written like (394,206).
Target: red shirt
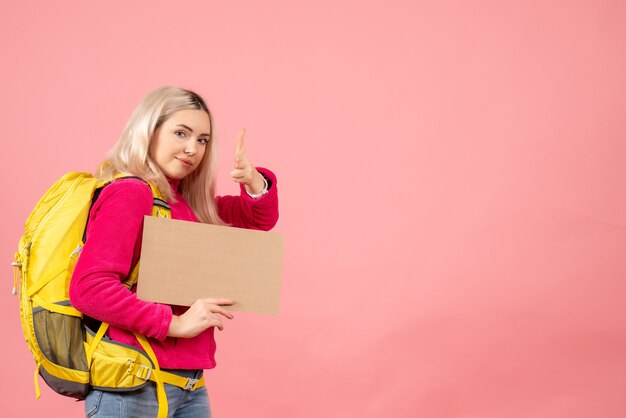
(113,246)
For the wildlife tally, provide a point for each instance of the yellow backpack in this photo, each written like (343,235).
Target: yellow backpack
(70,354)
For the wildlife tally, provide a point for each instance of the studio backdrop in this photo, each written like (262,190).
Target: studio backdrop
(451,182)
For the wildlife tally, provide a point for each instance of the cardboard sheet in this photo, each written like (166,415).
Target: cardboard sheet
(184,261)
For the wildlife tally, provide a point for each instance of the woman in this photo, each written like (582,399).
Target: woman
(168,141)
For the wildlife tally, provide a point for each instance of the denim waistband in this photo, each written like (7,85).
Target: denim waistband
(190,374)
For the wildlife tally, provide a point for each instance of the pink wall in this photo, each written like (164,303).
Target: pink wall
(452,191)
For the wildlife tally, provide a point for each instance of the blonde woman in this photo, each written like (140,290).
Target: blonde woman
(168,141)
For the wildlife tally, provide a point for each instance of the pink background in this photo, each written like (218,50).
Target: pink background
(452,191)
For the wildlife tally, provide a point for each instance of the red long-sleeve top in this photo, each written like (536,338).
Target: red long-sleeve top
(113,246)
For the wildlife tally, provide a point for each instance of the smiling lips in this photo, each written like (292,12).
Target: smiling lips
(185,162)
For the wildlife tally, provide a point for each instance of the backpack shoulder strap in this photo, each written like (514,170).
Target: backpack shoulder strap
(160,209)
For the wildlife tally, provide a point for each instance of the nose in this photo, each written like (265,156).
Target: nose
(190,147)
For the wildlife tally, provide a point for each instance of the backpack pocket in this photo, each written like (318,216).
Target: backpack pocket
(60,339)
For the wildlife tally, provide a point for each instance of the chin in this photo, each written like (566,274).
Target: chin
(176,175)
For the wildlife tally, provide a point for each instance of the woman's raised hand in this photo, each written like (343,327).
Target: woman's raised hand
(201,315)
(244,171)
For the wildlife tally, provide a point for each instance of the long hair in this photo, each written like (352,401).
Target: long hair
(130,154)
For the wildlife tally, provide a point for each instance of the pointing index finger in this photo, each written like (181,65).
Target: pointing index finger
(242,132)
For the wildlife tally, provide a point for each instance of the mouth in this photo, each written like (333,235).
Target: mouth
(185,162)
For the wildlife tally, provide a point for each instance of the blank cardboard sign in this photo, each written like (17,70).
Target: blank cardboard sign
(184,261)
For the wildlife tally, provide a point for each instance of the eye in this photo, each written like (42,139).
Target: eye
(203,140)
(181,134)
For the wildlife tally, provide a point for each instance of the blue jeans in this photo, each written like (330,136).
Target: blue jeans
(143,402)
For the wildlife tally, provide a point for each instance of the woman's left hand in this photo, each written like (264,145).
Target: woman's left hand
(244,171)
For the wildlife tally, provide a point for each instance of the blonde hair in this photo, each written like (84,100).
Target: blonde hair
(130,154)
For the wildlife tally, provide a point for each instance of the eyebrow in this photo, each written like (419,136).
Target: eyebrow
(191,130)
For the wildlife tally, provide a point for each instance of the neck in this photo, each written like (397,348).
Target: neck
(174,184)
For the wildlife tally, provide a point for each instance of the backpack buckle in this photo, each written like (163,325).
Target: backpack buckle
(16,275)
(190,384)
(144,372)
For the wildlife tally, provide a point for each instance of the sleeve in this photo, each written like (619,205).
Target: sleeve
(113,246)
(244,211)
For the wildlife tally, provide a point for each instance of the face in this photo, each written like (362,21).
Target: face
(180,142)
